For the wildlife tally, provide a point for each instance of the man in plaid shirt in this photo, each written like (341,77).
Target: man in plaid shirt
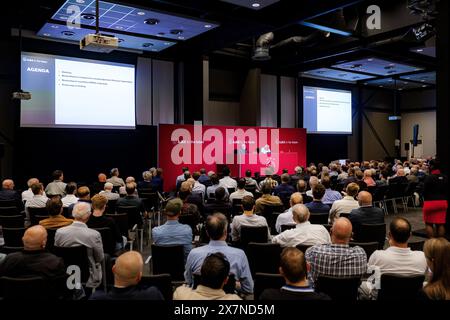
(337,259)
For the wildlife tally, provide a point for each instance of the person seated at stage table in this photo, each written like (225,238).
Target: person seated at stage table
(330,195)
(240,192)
(220,203)
(147,182)
(301,188)
(249,181)
(115,180)
(108,192)
(247,219)
(213,277)
(227,182)
(28,194)
(267,199)
(131,200)
(122,190)
(204,178)
(304,232)
(284,189)
(294,269)
(158,181)
(70,198)
(198,187)
(57,187)
(317,206)
(99,185)
(8,193)
(346,204)
(127,274)
(56,219)
(365,214)
(84,195)
(215,183)
(286,217)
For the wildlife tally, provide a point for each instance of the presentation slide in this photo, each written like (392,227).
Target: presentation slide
(327,110)
(77,93)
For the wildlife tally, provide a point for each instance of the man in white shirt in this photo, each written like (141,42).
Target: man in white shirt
(39,200)
(70,197)
(227,182)
(28,194)
(108,192)
(313,181)
(198,187)
(304,233)
(247,219)
(287,217)
(240,193)
(398,259)
(346,204)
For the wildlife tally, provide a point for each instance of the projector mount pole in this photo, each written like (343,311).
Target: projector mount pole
(97,17)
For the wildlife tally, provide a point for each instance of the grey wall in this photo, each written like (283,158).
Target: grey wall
(268,116)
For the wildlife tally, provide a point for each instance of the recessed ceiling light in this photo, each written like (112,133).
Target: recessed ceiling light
(119,27)
(147,44)
(392,64)
(422,80)
(88,16)
(381,86)
(176,31)
(55,26)
(365,83)
(153,50)
(68,33)
(181,37)
(208,26)
(370,59)
(63,17)
(419,50)
(80,1)
(256,5)
(151,21)
(167,43)
(424,86)
(47,34)
(141,13)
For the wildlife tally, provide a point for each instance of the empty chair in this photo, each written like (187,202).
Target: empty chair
(302,247)
(109,244)
(263,257)
(121,220)
(168,259)
(33,288)
(34,212)
(266,281)
(75,256)
(161,281)
(319,218)
(14,221)
(268,210)
(368,247)
(416,245)
(372,233)
(253,234)
(395,192)
(191,220)
(285,227)
(134,215)
(341,289)
(393,287)
(13,237)
(111,207)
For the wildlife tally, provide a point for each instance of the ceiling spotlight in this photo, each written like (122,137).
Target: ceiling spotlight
(147,44)
(181,37)
(176,31)
(88,16)
(370,59)
(381,86)
(422,80)
(68,33)
(119,27)
(47,34)
(356,66)
(208,26)
(55,26)
(167,43)
(419,50)
(80,1)
(256,5)
(151,21)
(424,86)
(141,13)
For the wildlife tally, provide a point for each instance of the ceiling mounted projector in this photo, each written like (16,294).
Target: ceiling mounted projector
(99,43)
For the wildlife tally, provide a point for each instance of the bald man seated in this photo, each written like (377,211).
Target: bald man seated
(8,193)
(127,275)
(33,260)
(365,214)
(286,217)
(337,259)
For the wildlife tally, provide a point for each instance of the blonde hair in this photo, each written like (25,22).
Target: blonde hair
(437,252)
(99,201)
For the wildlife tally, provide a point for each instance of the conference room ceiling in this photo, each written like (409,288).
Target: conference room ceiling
(396,84)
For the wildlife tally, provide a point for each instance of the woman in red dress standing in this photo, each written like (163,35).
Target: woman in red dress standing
(435,201)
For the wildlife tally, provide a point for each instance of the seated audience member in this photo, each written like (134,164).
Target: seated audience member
(284,189)
(215,183)
(131,200)
(198,187)
(39,200)
(204,178)
(343,175)
(268,180)
(84,195)
(57,187)
(158,181)
(399,177)
(330,196)
(173,232)
(182,176)
(78,234)
(359,180)
(249,181)
(351,177)
(293,268)
(216,228)
(55,219)
(227,182)
(286,217)
(313,182)
(127,274)
(187,176)
(346,204)
(368,178)
(115,180)
(220,204)
(304,232)
(365,214)
(337,259)
(33,260)
(122,190)
(8,193)
(412,176)
(398,259)
(247,219)
(213,277)
(108,192)
(99,184)
(146,183)
(317,206)
(189,208)
(70,198)
(437,253)
(301,188)
(298,175)
(240,192)
(28,194)
(98,220)
(383,179)
(267,199)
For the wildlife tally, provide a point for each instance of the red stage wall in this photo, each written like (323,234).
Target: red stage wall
(240,148)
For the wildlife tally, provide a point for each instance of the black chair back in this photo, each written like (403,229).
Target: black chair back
(168,259)
(24,288)
(319,218)
(341,289)
(161,281)
(379,193)
(344,215)
(263,257)
(109,244)
(253,234)
(396,190)
(302,247)
(372,233)
(9,211)
(268,209)
(285,227)
(237,207)
(134,215)
(393,287)
(8,203)
(111,207)
(266,281)
(121,220)
(229,287)
(34,212)
(150,200)
(368,247)
(75,256)
(14,221)
(191,220)
(13,236)
(50,239)
(272,221)
(231,190)
(251,189)
(416,245)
